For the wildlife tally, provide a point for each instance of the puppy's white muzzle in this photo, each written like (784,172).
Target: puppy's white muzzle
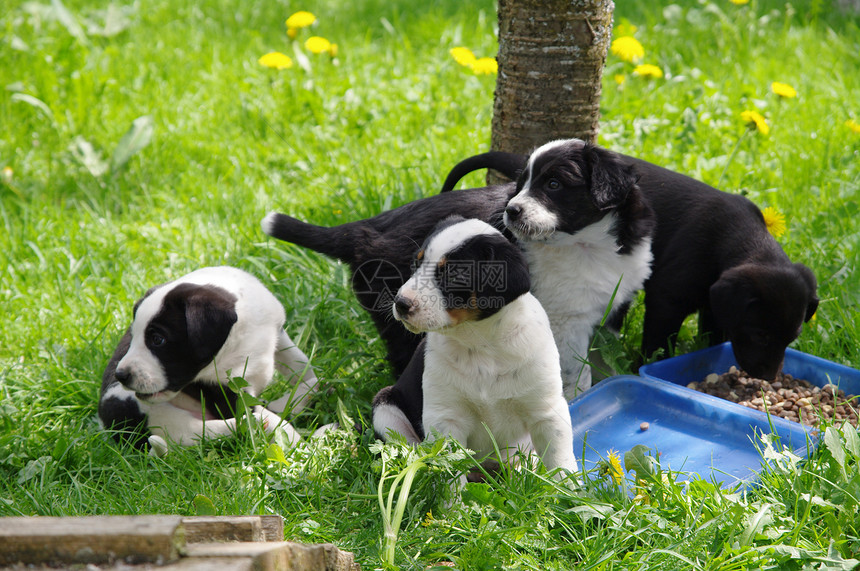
(528,219)
(143,374)
(420,307)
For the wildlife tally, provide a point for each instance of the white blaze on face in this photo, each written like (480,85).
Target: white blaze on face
(146,373)
(535,221)
(429,311)
(537,153)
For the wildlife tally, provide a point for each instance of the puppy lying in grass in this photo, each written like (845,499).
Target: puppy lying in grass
(488,371)
(170,373)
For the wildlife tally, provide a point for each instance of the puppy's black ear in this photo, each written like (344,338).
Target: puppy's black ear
(808,277)
(210,313)
(507,258)
(611,181)
(729,296)
(518,277)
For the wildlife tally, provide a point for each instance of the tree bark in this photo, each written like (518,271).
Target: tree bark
(551,57)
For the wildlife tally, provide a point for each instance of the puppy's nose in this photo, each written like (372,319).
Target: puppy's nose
(403,305)
(122,375)
(513,211)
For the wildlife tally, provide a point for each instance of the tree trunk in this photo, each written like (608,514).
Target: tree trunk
(551,57)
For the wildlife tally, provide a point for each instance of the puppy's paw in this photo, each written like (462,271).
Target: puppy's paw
(288,433)
(274,424)
(322,430)
(157,446)
(267,419)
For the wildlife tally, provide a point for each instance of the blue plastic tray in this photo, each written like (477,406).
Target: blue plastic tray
(695,366)
(694,433)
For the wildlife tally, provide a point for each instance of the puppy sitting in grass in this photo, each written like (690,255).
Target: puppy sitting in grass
(488,371)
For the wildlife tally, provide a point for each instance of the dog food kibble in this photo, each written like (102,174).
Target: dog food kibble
(787,397)
(644,426)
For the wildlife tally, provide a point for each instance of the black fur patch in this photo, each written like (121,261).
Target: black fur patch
(122,417)
(407,394)
(484,273)
(189,330)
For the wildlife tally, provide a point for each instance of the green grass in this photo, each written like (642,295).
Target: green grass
(343,140)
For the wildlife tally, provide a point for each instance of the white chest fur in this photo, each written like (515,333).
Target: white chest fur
(574,277)
(499,376)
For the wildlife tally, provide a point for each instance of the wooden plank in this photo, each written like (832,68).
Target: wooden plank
(206,529)
(273,527)
(338,560)
(92,539)
(209,564)
(279,556)
(268,556)
(172,542)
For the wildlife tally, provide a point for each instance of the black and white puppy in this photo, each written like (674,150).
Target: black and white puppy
(586,234)
(488,369)
(170,371)
(576,212)
(712,254)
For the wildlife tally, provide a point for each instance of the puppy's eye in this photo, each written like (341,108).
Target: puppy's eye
(553,184)
(156,339)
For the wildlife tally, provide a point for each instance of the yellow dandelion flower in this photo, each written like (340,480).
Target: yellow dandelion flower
(317,45)
(463,56)
(754,118)
(7,174)
(619,78)
(774,220)
(301,19)
(276,60)
(647,70)
(615,470)
(333,50)
(484,66)
(783,89)
(739,2)
(853,125)
(627,48)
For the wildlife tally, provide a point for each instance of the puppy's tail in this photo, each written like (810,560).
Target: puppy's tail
(509,164)
(335,242)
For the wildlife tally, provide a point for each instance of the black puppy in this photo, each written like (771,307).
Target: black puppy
(712,254)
